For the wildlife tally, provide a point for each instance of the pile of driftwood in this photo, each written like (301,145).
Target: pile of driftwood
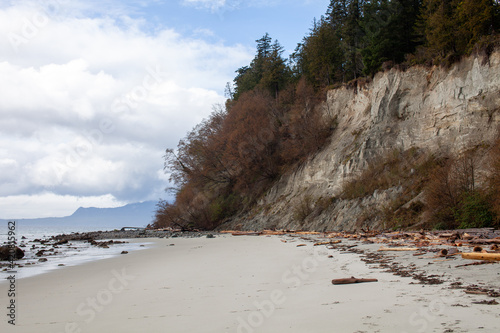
(485,242)
(456,240)
(481,245)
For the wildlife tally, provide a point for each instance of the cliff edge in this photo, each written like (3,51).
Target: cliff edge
(432,110)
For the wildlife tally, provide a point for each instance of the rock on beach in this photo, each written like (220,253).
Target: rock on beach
(5,253)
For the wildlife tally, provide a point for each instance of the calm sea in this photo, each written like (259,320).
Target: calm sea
(76,253)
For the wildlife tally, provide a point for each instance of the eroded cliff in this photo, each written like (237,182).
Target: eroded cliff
(436,110)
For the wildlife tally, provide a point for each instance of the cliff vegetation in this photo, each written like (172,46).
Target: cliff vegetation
(385,116)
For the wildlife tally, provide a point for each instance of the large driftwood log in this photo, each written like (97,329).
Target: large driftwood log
(246,233)
(352,279)
(273,232)
(481,256)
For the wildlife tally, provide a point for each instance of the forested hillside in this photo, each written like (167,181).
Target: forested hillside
(274,119)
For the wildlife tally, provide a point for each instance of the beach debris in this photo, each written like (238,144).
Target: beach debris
(476,292)
(477,249)
(328,243)
(273,232)
(441,260)
(485,241)
(443,253)
(481,256)
(491,302)
(210,236)
(124,252)
(42,259)
(299,245)
(246,233)
(466,236)
(382,248)
(477,263)
(307,232)
(447,253)
(351,280)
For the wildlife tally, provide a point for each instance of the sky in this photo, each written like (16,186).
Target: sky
(93,92)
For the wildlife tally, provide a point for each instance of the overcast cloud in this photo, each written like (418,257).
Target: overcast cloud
(92,92)
(89,103)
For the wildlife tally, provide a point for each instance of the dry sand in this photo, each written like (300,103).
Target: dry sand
(246,284)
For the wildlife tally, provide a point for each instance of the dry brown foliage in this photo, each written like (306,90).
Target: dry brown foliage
(231,158)
(494,178)
(453,197)
(306,129)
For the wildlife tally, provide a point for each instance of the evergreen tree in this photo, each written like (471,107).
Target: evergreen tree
(319,57)
(439,28)
(377,38)
(275,74)
(451,28)
(268,70)
(474,19)
(344,17)
(331,52)
(264,46)
(352,35)
(246,79)
(389,32)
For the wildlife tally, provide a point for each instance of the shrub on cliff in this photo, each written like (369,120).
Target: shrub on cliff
(454,198)
(224,164)
(494,180)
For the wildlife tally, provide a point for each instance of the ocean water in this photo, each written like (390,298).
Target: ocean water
(74,253)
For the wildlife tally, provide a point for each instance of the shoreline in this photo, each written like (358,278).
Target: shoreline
(48,253)
(258,284)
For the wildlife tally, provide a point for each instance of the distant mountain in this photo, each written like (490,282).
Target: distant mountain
(131,215)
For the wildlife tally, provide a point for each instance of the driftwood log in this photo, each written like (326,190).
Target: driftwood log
(352,279)
(481,256)
(485,241)
(246,233)
(328,243)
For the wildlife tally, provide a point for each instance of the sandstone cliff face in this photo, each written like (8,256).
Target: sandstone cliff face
(438,110)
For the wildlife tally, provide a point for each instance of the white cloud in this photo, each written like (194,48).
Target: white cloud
(209,4)
(52,205)
(88,104)
(218,5)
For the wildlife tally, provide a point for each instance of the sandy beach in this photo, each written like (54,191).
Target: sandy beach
(249,284)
